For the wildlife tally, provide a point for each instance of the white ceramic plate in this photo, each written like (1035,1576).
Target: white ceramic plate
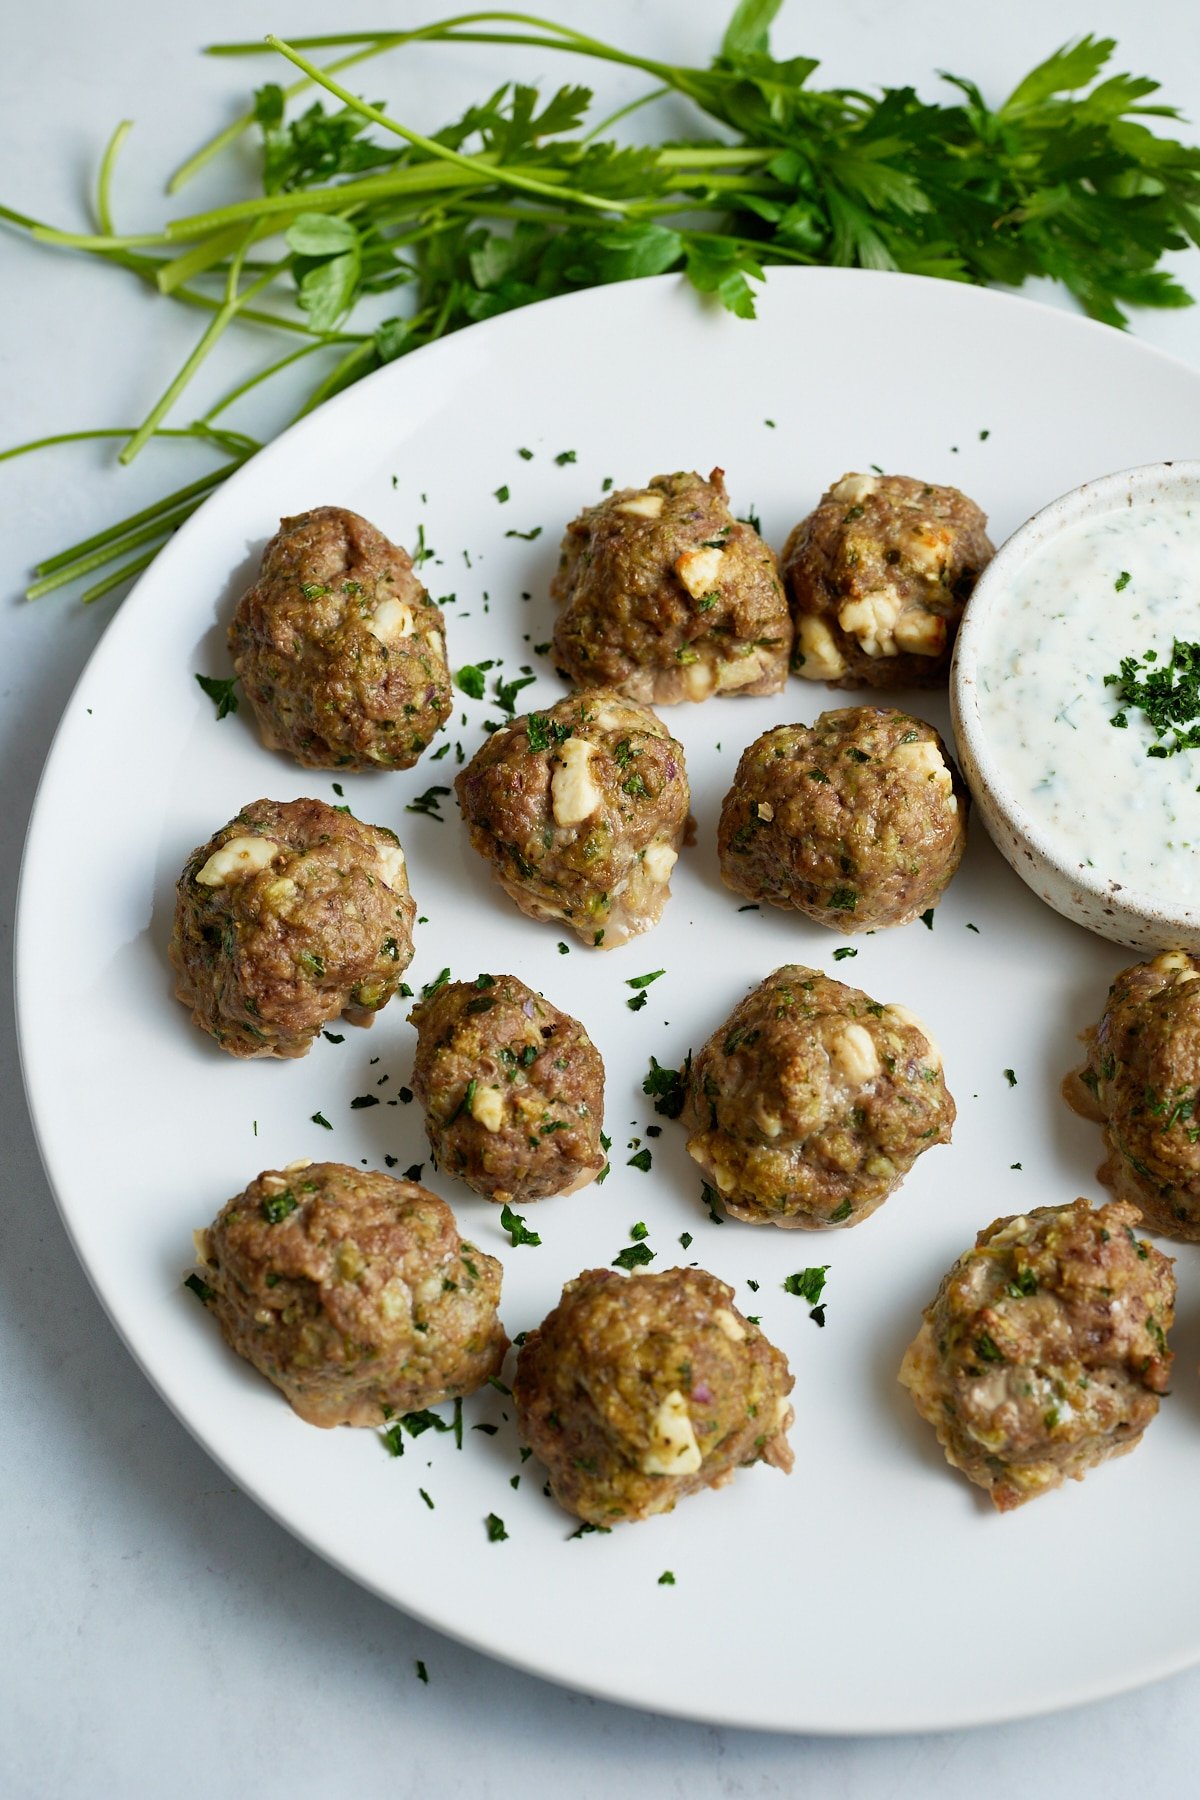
(874,1590)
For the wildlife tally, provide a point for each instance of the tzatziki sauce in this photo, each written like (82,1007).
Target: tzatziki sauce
(1124,584)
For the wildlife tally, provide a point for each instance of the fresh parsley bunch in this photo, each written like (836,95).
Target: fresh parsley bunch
(518,200)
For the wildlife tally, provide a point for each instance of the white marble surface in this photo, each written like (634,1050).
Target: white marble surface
(158,1634)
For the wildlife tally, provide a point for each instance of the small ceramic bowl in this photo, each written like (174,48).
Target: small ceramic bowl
(1049,865)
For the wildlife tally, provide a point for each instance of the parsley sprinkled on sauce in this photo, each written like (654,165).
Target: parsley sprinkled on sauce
(634,1256)
(514,1224)
(1168,693)
(221,694)
(198,1286)
(496,1529)
(318,1118)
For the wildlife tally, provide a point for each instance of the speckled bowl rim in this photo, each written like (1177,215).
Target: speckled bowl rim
(1145,485)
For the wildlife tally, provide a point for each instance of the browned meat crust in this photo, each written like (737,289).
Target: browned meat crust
(858,821)
(581,811)
(1141,1081)
(878,578)
(513,1089)
(810,1104)
(669,597)
(636,1391)
(289,915)
(341,652)
(353,1293)
(1044,1351)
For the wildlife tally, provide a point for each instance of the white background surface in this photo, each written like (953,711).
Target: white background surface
(159,1634)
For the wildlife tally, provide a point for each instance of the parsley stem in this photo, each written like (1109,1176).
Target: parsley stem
(83,565)
(104,178)
(416,179)
(273,368)
(118,577)
(509,177)
(115,534)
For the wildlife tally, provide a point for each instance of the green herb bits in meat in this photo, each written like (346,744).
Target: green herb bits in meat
(353,1293)
(291,915)
(810,1104)
(581,811)
(638,1390)
(666,596)
(1044,1351)
(1141,1081)
(513,1090)
(340,650)
(858,821)
(878,577)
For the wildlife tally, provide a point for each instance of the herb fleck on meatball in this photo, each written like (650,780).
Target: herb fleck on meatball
(513,1089)
(352,1293)
(1141,1081)
(669,597)
(638,1390)
(858,821)
(290,915)
(1045,1350)
(812,1102)
(581,811)
(340,650)
(878,578)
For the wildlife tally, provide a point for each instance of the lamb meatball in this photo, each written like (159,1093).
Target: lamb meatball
(341,652)
(513,1089)
(1045,1350)
(669,597)
(352,1292)
(857,821)
(289,915)
(581,811)
(813,1101)
(637,1390)
(1141,1081)
(878,578)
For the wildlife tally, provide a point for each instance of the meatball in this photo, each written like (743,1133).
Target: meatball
(513,1089)
(1141,1081)
(878,577)
(292,913)
(857,821)
(669,597)
(1045,1350)
(352,1292)
(341,652)
(637,1390)
(812,1102)
(581,811)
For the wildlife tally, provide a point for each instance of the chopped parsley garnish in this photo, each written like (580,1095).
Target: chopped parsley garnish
(501,494)
(842,899)
(1022,1285)
(470,679)
(643,981)
(1010,1077)
(199,1287)
(525,455)
(564,457)
(393,1441)
(841,1212)
(668,1087)
(634,1256)
(276,1207)
(843,952)
(220,692)
(666,1579)
(1122,581)
(711,1199)
(927,918)
(1168,695)
(422,1671)
(807,1284)
(641,1160)
(318,1118)
(638,1001)
(417,1422)
(639,1231)
(986,1349)
(563,949)
(428,803)
(514,1224)
(528,536)
(363,1100)
(334,1037)
(685,1240)
(495,1529)
(431,987)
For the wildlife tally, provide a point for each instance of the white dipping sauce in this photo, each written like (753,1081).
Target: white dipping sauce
(1117,585)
